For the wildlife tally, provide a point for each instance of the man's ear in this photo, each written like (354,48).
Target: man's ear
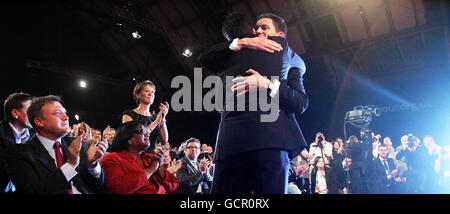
(254,31)
(14,114)
(281,34)
(37,121)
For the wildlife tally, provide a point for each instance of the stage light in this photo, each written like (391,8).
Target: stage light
(77,117)
(136,35)
(187,53)
(83,84)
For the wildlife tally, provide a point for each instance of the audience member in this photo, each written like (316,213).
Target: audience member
(14,129)
(323,179)
(385,172)
(303,162)
(130,170)
(39,166)
(320,148)
(391,151)
(338,153)
(435,154)
(193,175)
(419,165)
(144,94)
(181,153)
(375,145)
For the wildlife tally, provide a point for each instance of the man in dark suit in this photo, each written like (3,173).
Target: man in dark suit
(47,164)
(193,175)
(14,129)
(385,171)
(253,156)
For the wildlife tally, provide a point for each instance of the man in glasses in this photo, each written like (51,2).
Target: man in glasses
(193,176)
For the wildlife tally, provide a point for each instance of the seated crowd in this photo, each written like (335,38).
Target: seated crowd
(40,153)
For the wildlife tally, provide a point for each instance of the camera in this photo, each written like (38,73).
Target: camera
(361,116)
(411,141)
(320,139)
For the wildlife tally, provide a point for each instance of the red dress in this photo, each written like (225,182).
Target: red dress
(124,175)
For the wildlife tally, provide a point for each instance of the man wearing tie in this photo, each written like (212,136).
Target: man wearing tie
(385,171)
(47,164)
(193,176)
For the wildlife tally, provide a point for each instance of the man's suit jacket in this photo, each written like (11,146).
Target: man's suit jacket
(7,140)
(33,170)
(242,131)
(190,178)
(380,176)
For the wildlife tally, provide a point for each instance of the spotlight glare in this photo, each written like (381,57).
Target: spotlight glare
(136,35)
(187,53)
(77,117)
(83,84)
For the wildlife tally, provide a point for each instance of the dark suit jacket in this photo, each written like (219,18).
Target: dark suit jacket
(330,178)
(380,176)
(242,131)
(7,140)
(34,171)
(189,179)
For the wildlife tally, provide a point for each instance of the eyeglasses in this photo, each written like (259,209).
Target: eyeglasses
(141,131)
(193,147)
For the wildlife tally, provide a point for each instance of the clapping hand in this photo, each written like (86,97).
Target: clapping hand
(203,166)
(175,166)
(96,152)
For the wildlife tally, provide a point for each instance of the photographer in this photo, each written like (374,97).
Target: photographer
(320,148)
(419,164)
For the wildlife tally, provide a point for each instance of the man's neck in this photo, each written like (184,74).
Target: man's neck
(49,135)
(192,160)
(18,126)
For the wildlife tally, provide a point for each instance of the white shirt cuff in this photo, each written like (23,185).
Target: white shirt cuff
(234,45)
(68,171)
(275,85)
(96,171)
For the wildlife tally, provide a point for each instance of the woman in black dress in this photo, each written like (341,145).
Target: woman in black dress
(144,94)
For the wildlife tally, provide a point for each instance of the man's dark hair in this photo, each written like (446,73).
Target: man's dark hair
(14,101)
(236,25)
(36,106)
(278,22)
(193,139)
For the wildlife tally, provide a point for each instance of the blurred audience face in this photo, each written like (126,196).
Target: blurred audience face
(192,150)
(320,163)
(167,158)
(404,140)
(111,135)
(97,135)
(54,122)
(305,153)
(167,146)
(336,145)
(387,141)
(204,147)
(382,152)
